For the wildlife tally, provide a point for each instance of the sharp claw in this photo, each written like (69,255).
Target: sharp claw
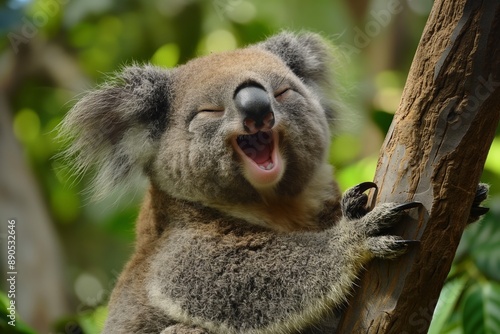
(362,187)
(405,243)
(408,242)
(406,206)
(479,198)
(479,211)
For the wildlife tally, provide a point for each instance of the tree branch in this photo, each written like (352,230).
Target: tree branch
(434,153)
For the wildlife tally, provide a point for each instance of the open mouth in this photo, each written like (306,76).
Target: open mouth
(263,165)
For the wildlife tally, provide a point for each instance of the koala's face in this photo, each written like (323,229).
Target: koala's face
(242,123)
(226,128)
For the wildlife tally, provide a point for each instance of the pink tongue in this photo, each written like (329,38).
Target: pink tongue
(262,155)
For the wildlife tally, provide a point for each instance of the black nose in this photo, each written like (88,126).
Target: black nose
(254,104)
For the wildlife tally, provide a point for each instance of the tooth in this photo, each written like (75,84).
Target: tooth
(262,167)
(270,166)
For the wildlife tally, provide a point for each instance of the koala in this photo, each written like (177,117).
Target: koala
(243,228)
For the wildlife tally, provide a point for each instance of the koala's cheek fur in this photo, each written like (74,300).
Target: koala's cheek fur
(201,169)
(304,143)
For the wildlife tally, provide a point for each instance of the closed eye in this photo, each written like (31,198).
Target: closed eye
(282,94)
(210,107)
(211,111)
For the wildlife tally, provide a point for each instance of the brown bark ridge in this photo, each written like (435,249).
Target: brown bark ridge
(434,153)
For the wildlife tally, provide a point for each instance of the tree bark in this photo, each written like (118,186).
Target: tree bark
(434,153)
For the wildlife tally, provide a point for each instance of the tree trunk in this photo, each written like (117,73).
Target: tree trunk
(42,293)
(434,153)
(40,290)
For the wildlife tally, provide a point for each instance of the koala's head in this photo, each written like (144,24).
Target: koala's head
(226,128)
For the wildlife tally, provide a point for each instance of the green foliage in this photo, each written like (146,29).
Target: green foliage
(481,309)
(446,304)
(470,299)
(85,322)
(19,328)
(93,322)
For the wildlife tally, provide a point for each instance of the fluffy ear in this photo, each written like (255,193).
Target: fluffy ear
(307,54)
(117,127)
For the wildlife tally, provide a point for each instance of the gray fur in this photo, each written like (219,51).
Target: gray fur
(116,128)
(309,57)
(217,251)
(270,286)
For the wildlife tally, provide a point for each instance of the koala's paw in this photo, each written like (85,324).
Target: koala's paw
(372,223)
(354,202)
(477,210)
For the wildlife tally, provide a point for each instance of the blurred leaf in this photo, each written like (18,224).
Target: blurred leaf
(122,223)
(387,99)
(339,155)
(362,171)
(493,159)
(389,79)
(482,243)
(243,12)
(167,55)
(68,324)
(76,11)
(383,120)
(188,27)
(46,15)
(27,125)
(94,322)
(65,204)
(389,85)
(218,41)
(83,34)
(253,31)
(453,328)
(19,328)
(447,302)
(481,312)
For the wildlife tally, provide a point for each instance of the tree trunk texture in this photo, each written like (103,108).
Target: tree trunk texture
(434,153)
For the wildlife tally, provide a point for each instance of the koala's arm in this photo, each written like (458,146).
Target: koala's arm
(266,282)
